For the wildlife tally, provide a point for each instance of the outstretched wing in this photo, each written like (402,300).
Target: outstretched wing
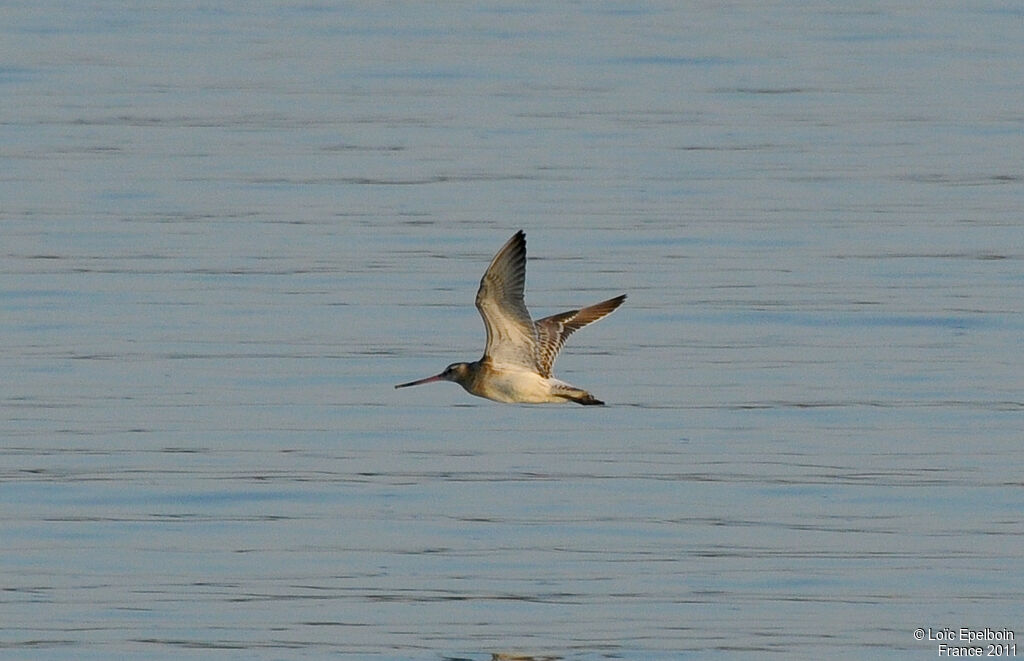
(511,335)
(553,331)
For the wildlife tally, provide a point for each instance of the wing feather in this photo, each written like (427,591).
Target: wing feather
(553,331)
(511,334)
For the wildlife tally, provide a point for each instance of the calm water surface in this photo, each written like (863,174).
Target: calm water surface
(227,232)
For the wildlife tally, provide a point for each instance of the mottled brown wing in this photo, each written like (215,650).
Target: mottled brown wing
(511,335)
(553,331)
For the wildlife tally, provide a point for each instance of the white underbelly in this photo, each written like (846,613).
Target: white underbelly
(518,386)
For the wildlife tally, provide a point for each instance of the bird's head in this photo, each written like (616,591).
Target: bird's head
(456,372)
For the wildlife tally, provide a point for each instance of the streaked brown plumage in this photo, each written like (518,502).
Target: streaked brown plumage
(519,355)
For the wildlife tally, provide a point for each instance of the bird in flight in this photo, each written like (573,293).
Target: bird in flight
(517,360)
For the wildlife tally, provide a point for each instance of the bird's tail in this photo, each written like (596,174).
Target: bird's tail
(579,396)
(588,400)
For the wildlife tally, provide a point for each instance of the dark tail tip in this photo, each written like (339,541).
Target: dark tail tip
(588,400)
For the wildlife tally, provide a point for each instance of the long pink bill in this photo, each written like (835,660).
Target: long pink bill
(429,379)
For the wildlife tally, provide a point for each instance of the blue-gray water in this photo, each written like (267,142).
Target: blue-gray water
(227,230)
